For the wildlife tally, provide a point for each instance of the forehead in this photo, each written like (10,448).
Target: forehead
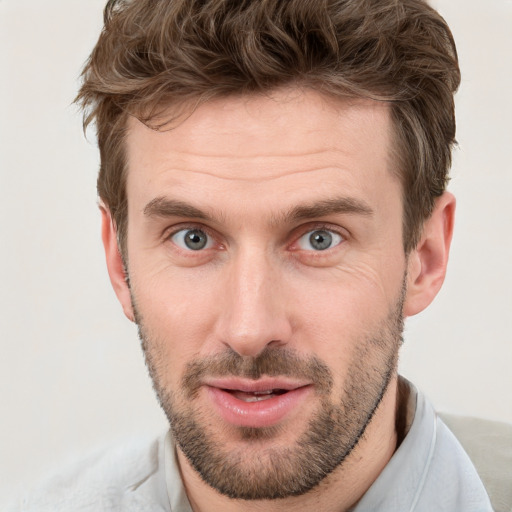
(288,141)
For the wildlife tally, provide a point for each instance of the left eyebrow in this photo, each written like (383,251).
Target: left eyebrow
(339,205)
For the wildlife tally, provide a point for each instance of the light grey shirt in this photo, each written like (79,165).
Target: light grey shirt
(430,472)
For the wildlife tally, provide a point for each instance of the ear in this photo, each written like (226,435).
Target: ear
(115,264)
(427,263)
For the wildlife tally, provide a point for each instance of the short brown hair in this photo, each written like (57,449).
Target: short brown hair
(155,53)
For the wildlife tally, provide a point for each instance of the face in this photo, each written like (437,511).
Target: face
(267,273)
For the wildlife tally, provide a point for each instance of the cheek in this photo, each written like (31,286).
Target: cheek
(355,297)
(177,309)
(338,315)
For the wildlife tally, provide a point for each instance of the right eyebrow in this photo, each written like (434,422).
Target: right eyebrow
(164,207)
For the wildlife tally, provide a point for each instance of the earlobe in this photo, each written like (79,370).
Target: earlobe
(427,263)
(115,263)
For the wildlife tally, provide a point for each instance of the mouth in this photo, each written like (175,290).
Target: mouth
(256,396)
(262,403)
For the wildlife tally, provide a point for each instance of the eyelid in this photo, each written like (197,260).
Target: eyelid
(319,226)
(302,231)
(169,233)
(181,240)
(175,228)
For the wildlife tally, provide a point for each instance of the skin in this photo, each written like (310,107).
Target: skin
(260,285)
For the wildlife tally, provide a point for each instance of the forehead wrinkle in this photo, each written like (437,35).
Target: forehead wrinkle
(200,153)
(253,168)
(239,175)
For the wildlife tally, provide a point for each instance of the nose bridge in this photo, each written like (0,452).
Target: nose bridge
(255,314)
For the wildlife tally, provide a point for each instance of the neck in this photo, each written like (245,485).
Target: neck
(338,492)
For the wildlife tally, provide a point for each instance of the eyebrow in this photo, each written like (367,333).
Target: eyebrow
(338,205)
(164,207)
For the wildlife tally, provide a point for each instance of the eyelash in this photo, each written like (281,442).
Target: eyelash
(188,227)
(301,232)
(311,228)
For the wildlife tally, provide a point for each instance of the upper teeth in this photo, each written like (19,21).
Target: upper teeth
(256,397)
(253,396)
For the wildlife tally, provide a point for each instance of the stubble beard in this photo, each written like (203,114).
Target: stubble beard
(332,433)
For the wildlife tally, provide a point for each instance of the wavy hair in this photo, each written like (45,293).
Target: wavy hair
(153,54)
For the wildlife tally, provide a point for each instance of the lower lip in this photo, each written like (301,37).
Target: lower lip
(263,413)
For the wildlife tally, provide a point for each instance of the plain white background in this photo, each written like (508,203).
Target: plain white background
(71,373)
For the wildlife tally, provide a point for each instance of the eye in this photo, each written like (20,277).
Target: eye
(319,240)
(192,239)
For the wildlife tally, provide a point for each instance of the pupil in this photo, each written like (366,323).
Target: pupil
(320,240)
(195,240)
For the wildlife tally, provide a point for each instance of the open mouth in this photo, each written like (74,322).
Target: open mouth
(246,403)
(255,396)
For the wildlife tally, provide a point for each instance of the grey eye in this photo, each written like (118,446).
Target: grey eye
(319,240)
(192,239)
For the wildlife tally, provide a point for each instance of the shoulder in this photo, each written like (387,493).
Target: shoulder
(489,446)
(112,479)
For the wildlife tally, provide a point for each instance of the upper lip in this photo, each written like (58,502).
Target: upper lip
(254,386)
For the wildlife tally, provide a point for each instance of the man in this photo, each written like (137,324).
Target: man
(273,201)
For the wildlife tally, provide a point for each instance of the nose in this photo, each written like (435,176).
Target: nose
(254,308)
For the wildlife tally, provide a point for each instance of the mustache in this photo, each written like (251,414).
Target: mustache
(271,362)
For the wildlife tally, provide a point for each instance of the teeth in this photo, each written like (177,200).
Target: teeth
(255,396)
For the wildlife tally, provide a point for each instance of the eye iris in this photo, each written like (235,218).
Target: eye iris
(195,239)
(320,240)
